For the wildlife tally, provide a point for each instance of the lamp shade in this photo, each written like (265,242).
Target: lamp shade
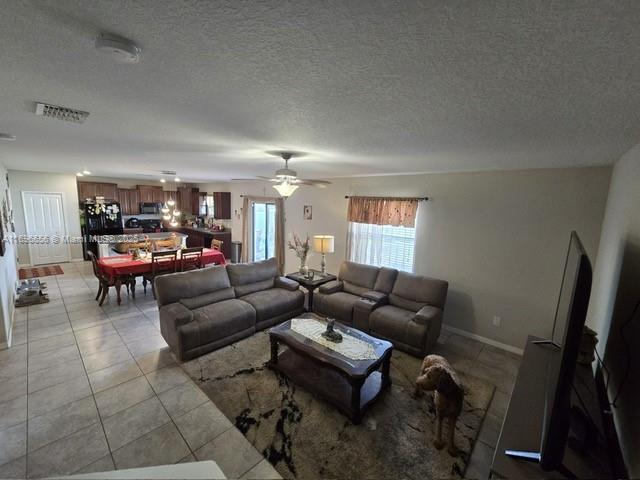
(323,243)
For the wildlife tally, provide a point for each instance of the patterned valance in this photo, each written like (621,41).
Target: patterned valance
(383,211)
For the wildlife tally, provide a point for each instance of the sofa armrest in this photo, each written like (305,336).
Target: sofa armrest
(427,314)
(286,283)
(331,287)
(175,314)
(378,298)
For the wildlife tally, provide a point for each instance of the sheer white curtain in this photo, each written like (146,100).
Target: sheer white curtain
(382,245)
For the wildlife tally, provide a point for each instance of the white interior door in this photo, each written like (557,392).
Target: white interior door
(44,218)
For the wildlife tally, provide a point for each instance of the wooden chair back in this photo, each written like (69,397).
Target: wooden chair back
(164,262)
(94,264)
(216,244)
(190,258)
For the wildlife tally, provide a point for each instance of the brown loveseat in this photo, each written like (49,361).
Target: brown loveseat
(401,307)
(206,309)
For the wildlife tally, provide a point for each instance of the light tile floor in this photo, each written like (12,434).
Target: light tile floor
(87,388)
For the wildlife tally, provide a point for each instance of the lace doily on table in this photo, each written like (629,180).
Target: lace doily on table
(350,347)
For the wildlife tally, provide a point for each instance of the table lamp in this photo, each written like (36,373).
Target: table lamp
(323,244)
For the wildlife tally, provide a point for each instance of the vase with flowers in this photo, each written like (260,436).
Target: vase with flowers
(301,249)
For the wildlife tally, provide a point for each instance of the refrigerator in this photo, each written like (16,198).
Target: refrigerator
(100,218)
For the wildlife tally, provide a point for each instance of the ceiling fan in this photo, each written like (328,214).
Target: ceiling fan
(286,180)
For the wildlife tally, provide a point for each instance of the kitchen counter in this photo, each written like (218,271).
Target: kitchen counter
(201,237)
(158,240)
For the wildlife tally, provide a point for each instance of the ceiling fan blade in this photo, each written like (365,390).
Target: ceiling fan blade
(306,181)
(269,179)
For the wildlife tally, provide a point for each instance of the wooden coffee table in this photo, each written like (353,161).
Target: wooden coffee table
(350,385)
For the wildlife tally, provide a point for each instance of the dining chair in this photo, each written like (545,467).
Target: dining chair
(216,244)
(190,258)
(104,281)
(162,263)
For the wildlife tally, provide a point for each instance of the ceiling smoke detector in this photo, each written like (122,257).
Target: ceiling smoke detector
(120,49)
(7,137)
(61,113)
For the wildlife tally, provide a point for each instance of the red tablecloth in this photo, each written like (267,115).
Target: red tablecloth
(117,265)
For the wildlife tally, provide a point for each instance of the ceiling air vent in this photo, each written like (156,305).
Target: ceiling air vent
(168,172)
(61,113)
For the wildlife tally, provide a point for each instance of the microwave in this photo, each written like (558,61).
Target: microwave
(150,208)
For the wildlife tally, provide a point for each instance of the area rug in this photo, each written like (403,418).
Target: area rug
(45,271)
(305,437)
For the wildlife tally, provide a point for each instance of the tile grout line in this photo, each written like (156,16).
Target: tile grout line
(158,397)
(95,403)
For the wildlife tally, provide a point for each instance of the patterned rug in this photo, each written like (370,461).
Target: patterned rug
(45,271)
(305,437)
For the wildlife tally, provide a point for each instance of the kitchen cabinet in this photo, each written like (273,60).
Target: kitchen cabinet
(188,200)
(222,205)
(150,194)
(96,189)
(202,238)
(129,200)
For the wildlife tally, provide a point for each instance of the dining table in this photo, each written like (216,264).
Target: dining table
(123,269)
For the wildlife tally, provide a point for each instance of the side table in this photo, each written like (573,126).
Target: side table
(311,284)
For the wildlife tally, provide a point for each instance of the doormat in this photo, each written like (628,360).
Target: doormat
(25,273)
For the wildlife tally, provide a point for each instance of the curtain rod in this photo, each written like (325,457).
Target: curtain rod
(420,199)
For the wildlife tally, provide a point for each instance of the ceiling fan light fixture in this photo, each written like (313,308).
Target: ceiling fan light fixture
(285,189)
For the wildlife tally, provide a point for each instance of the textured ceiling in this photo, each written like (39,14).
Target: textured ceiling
(367,87)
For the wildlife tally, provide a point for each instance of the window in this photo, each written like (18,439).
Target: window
(264,231)
(382,245)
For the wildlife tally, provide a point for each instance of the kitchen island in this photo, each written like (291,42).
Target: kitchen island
(157,241)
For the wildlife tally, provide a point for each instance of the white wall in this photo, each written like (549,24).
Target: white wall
(8,275)
(614,294)
(45,182)
(499,238)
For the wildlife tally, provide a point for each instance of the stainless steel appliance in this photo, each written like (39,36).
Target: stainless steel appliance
(150,208)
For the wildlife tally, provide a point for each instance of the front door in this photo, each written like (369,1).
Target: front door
(264,230)
(44,218)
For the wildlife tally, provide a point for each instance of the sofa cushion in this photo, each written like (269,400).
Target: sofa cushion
(397,324)
(338,305)
(216,321)
(385,280)
(173,287)
(412,292)
(274,302)
(207,298)
(247,278)
(357,277)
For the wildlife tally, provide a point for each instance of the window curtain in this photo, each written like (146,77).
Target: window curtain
(247,224)
(398,212)
(382,231)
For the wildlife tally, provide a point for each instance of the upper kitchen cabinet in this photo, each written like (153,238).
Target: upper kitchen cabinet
(150,194)
(222,205)
(188,200)
(96,189)
(129,200)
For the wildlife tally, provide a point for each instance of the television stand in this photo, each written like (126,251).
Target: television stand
(521,431)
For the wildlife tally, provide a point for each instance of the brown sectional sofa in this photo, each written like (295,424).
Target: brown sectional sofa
(401,307)
(203,310)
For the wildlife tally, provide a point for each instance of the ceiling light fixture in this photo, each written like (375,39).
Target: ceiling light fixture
(86,172)
(120,49)
(7,137)
(285,189)
(79,174)
(177,179)
(162,180)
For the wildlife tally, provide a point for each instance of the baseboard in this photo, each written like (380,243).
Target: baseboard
(480,338)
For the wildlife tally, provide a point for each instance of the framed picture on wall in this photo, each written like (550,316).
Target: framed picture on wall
(307,212)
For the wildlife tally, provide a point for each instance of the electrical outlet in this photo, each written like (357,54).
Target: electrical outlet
(497,321)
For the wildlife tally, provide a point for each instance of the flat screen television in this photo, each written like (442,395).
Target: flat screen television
(571,312)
